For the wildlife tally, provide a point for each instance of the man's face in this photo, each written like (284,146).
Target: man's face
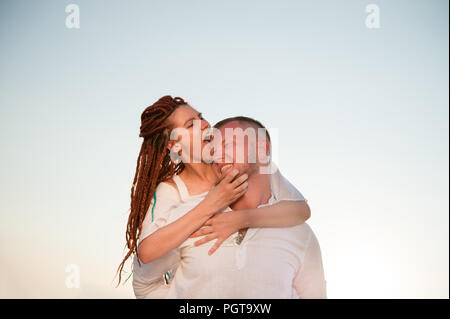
(238,148)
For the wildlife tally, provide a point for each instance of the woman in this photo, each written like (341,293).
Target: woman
(158,188)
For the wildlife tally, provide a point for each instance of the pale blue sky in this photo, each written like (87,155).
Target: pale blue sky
(362,116)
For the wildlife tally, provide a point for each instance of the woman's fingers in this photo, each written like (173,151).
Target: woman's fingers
(230,175)
(204,230)
(215,246)
(205,239)
(241,188)
(194,234)
(226,170)
(241,179)
(208,238)
(239,195)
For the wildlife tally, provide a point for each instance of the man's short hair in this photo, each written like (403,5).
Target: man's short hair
(243,119)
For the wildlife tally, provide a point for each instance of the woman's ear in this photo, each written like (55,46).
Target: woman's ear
(170,145)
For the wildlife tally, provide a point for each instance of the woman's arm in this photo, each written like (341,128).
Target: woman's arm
(290,211)
(285,213)
(172,235)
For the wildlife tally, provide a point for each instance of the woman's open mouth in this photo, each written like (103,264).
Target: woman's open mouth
(207,136)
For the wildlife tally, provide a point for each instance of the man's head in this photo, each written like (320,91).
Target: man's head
(245,144)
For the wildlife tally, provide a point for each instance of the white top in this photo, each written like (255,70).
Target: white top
(149,279)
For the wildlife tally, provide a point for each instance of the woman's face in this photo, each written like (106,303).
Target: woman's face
(189,131)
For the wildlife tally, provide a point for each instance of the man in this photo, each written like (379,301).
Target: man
(254,263)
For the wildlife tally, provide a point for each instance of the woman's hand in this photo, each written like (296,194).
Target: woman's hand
(227,191)
(220,227)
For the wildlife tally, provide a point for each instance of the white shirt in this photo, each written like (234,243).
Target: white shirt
(148,279)
(269,263)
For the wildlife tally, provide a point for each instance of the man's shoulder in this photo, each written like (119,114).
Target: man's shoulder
(300,228)
(304,227)
(302,231)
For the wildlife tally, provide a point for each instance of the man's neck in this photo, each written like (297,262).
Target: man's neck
(258,192)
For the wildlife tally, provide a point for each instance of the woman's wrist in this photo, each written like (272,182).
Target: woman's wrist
(242,218)
(206,209)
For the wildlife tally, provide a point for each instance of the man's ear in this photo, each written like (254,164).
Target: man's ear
(264,147)
(263,151)
(267,148)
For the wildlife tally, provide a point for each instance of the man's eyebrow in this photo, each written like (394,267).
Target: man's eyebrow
(193,118)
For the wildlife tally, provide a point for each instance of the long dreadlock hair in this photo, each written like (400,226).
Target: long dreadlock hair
(153,166)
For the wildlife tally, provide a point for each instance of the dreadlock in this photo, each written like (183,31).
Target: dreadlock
(153,166)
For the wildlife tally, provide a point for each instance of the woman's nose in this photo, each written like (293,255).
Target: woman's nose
(205,125)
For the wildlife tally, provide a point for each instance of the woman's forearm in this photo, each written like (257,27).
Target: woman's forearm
(172,235)
(285,213)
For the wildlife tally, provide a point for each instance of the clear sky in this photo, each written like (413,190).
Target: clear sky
(362,116)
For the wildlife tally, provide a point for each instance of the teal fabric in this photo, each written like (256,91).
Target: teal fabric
(154,203)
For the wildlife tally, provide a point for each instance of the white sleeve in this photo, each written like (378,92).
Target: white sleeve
(153,279)
(148,279)
(165,199)
(282,189)
(309,283)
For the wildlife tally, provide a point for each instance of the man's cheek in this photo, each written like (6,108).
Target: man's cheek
(240,155)
(228,155)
